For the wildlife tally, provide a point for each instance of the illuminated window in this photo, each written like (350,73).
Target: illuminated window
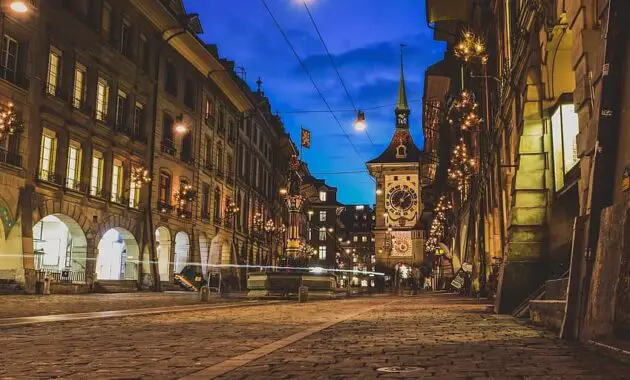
(54,70)
(322,196)
(565,128)
(47,155)
(73,171)
(121,107)
(134,194)
(78,90)
(102,99)
(106,20)
(322,216)
(359,208)
(96,180)
(117,180)
(355,238)
(322,252)
(364,239)
(322,234)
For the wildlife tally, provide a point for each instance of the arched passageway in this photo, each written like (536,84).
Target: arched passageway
(163,246)
(60,248)
(182,251)
(118,256)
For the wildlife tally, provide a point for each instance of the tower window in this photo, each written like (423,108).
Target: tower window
(401,151)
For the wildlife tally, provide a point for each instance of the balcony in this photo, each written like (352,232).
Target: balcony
(15,78)
(168,147)
(82,106)
(123,129)
(229,178)
(99,193)
(205,216)
(72,184)
(50,177)
(164,207)
(207,165)
(209,120)
(184,214)
(139,136)
(119,199)
(10,158)
(187,158)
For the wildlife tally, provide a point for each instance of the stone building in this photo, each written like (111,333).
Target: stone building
(549,80)
(322,211)
(118,164)
(398,229)
(356,243)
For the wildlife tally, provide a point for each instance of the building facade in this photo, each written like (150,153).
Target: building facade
(551,160)
(322,211)
(356,244)
(118,166)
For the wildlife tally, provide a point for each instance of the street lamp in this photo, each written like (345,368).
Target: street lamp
(19,6)
(360,123)
(180,126)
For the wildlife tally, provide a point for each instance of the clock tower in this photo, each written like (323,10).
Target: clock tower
(398,232)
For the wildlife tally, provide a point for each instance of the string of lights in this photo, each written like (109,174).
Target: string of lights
(332,61)
(310,77)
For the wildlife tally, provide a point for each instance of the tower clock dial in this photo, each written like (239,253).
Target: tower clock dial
(402,200)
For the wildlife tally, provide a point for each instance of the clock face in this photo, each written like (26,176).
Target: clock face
(401,200)
(402,119)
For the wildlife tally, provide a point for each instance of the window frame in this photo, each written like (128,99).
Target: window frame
(72,180)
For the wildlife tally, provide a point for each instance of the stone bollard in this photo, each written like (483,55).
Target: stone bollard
(204,292)
(46,289)
(303,293)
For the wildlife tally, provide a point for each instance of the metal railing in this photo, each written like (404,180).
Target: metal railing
(67,276)
(10,158)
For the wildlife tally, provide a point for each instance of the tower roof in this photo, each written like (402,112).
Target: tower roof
(401,148)
(401,103)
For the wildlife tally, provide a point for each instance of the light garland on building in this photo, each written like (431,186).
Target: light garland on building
(9,122)
(140,176)
(183,197)
(436,232)
(464,112)
(471,46)
(462,166)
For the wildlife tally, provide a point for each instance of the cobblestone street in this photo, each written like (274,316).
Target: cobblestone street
(441,336)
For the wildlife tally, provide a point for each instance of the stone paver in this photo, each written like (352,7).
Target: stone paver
(443,337)
(25,306)
(164,346)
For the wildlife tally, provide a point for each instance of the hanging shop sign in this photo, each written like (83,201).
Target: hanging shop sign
(625,179)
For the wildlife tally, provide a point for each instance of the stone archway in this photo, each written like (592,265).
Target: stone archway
(60,248)
(118,256)
(215,251)
(204,251)
(163,247)
(182,251)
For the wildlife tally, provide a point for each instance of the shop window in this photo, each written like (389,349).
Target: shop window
(565,128)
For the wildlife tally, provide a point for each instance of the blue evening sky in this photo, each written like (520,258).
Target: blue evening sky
(364,38)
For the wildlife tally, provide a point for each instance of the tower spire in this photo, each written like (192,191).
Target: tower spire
(401,103)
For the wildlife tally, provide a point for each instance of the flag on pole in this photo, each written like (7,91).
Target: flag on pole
(306,138)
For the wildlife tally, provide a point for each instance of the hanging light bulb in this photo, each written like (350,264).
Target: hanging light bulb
(360,123)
